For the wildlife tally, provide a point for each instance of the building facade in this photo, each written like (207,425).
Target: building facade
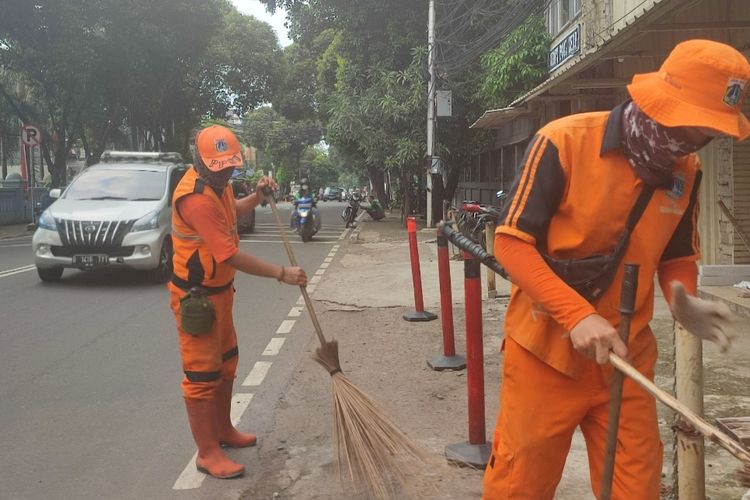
(597,46)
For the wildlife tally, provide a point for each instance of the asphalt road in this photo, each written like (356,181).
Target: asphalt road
(90,398)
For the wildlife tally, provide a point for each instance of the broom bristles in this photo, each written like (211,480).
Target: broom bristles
(371,450)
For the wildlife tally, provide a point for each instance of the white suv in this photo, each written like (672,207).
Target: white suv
(116,213)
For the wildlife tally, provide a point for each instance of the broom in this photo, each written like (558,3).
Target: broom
(370,447)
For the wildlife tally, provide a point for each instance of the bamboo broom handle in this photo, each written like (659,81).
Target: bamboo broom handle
(627,307)
(293,261)
(701,425)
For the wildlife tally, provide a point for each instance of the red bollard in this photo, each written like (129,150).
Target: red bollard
(476,451)
(449,360)
(420,314)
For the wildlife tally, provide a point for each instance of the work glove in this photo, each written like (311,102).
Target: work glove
(706,319)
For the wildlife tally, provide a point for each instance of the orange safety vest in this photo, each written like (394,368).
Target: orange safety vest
(571,199)
(193,263)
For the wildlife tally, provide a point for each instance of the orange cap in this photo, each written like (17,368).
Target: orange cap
(218,148)
(702,83)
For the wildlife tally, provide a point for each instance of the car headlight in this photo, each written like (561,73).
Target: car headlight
(146,223)
(46,221)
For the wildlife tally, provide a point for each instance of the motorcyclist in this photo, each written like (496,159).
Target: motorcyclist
(302,193)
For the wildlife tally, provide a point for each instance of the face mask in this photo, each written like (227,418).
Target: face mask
(217,180)
(652,149)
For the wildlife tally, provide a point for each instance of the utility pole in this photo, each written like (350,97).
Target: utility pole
(430,107)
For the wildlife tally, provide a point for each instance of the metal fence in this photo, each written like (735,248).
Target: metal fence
(15,202)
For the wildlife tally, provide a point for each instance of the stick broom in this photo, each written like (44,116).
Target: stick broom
(370,447)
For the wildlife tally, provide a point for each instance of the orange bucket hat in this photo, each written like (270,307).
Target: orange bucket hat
(218,148)
(702,83)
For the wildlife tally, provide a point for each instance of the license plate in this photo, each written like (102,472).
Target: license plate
(90,260)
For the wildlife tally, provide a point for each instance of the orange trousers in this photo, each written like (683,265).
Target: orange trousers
(540,409)
(207,359)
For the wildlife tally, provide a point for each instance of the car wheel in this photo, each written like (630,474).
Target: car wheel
(163,271)
(49,274)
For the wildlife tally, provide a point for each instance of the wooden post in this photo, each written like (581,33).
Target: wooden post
(489,232)
(691,478)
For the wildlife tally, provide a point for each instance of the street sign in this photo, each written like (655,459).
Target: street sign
(31,135)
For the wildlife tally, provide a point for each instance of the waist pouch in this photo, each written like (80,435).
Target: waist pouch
(197,313)
(592,276)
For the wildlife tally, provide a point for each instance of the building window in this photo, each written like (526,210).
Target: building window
(560,13)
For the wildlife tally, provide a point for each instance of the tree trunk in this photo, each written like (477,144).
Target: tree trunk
(377,179)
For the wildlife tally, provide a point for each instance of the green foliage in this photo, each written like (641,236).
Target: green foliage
(517,65)
(138,74)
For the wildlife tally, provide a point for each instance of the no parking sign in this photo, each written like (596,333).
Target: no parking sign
(31,135)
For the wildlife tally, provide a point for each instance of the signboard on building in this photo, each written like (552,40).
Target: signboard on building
(569,46)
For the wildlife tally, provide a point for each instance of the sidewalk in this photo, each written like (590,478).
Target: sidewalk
(14,231)
(360,302)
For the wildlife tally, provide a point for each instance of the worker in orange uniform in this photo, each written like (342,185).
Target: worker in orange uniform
(206,257)
(577,186)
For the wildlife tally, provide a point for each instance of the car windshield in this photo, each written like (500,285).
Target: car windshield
(118,184)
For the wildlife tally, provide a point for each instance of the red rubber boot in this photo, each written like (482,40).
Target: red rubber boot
(228,435)
(211,459)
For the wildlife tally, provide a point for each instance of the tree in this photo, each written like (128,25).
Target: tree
(282,141)
(136,73)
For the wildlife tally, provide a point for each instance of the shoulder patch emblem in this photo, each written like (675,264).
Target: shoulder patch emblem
(678,187)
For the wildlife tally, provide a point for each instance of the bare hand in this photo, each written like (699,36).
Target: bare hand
(594,337)
(263,183)
(294,276)
(705,319)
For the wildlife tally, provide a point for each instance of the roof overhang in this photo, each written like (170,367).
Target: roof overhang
(495,118)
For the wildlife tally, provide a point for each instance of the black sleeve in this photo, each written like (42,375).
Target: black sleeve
(536,193)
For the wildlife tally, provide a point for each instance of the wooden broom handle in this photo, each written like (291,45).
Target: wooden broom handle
(701,425)
(293,261)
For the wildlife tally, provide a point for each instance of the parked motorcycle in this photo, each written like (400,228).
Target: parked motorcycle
(474,217)
(352,210)
(305,218)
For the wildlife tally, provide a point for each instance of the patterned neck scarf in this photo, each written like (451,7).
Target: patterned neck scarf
(652,149)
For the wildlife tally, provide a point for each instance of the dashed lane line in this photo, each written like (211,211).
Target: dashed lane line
(295,312)
(257,374)
(285,326)
(325,265)
(274,346)
(320,272)
(314,280)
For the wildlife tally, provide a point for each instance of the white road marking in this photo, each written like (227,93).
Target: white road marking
(325,265)
(295,312)
(320,272)
(310,290)
(274,346)
(335,248)
(240,402)
(285,326)
(258,373)
(18,270)
(24,245)
(312,281)
(190,478)
(328,259)
(301,300)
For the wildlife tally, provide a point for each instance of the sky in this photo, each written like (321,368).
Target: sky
(257,9)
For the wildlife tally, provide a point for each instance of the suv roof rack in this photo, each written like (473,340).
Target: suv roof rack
(119,156)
